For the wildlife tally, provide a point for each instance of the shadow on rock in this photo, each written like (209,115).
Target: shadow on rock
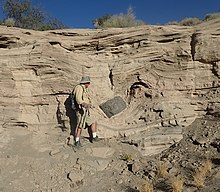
(71,114)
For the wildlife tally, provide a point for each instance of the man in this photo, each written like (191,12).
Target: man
(84,117)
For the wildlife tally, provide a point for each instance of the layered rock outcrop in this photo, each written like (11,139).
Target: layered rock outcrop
(167,75)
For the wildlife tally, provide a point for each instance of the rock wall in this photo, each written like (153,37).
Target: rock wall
(167,75)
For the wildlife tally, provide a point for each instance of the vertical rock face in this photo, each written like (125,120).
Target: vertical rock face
(167,75)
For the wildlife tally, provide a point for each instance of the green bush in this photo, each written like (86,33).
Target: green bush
(28,16)
(118,21)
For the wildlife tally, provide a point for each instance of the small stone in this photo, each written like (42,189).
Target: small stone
(54,152)
(119,181)
(135,167)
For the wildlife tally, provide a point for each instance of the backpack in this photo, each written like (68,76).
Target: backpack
(73,104)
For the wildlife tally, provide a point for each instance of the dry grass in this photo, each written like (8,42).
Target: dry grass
(162,170)
(199,178)
(147,187)
(177,183)
(202,172)
(207,167)
(10,22)
(126,157)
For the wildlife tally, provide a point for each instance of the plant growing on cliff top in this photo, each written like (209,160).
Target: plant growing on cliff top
(118,21)
(190,21)
(10,22)
(212,16)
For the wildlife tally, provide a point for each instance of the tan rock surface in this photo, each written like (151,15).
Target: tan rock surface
(162,72)
(167,75)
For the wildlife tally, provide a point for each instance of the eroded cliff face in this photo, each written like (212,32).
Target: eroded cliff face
(168,76)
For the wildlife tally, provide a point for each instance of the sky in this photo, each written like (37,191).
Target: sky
(81,13)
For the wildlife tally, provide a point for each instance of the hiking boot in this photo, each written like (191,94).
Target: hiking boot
(77,144)
(95,139)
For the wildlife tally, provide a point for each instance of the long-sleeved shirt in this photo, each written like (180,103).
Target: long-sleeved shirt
(81,94)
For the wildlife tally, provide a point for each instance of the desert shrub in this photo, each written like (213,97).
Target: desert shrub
(147,187)
(162,170)
(202,172)
(190,21)
(118,21)
(176,183)
(212,16)
(100,20)
(10,22)
(186,22)
(172,23)
(199,178)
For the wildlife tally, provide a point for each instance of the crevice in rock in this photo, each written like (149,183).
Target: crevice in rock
(154,60)
(215,35)
(2,38)
(200,89)
(170,35)
(27,33)
(215,70)
(193,45)
(14,123)
(60,93)
(3,46)
(130,167)
(135,88)
(111,79)
(168,40)
(65,33)
(55,43)
(58,43)
(136,84)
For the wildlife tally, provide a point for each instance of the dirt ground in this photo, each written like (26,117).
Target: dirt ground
(36,161)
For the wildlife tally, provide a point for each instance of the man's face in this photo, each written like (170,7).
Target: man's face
(87,85)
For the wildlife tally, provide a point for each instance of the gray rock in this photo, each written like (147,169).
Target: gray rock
(76,177)
(113,106)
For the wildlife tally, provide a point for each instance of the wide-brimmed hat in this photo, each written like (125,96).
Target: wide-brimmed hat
(85,79)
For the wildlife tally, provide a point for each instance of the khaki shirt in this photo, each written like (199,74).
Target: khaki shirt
(81,94)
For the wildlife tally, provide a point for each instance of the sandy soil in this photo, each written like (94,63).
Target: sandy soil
(42,162)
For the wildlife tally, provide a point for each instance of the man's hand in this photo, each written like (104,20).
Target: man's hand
(87,105)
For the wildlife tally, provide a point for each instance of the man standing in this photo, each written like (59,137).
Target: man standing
(84,117)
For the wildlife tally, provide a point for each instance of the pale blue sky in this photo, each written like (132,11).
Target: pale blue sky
(80,14)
